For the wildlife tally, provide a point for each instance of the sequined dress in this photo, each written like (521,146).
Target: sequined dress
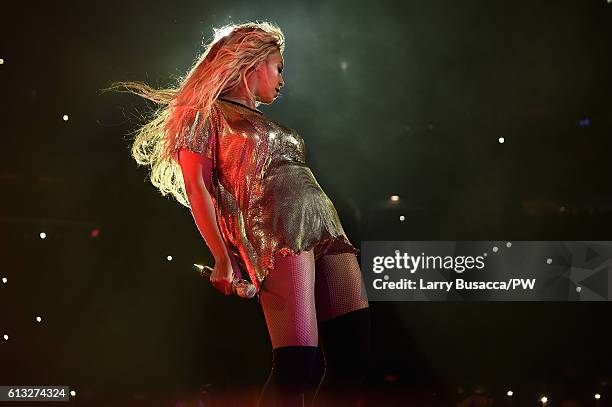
(266,198)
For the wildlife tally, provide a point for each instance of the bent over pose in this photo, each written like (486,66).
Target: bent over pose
(259,208)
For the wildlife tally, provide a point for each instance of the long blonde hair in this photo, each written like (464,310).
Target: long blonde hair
(222,66)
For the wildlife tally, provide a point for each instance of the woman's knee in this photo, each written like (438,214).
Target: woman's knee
(294,365)
(292,371)
(346,344)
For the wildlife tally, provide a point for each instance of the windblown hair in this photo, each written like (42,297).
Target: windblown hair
(222,66)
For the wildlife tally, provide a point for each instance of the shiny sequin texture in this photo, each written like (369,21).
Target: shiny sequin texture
(266,198)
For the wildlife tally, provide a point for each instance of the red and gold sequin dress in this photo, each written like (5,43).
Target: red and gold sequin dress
(266,198)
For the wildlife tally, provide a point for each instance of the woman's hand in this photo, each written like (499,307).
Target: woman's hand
(223,276)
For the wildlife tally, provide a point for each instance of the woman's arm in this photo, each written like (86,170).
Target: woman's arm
(197,171)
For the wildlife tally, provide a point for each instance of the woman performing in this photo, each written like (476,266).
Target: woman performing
(259,208)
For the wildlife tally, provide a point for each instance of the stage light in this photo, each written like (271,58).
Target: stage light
(578,289)
(43,235)
(495,249)
(169,258)
(6,337)
(597,395)
(72,393)
(509,244)
(1,61)
(394,198)
(344,65)
(501,140)
(4,280)
(549,261)
(510,393)
(402,218)
(38,319)
(65,117)
(544,400)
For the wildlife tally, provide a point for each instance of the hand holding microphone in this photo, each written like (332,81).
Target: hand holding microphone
(239,287)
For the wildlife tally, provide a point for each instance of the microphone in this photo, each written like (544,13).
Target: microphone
(240,287)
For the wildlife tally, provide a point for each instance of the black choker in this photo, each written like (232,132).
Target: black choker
(239,104)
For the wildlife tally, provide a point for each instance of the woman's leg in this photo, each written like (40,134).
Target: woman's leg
(344,328)
(288,302)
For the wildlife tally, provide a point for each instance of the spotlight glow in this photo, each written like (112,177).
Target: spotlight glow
(1,61)
(43,235)
(510,393)
(578,289)
(394,198)
(6,337)
(597,395)
(38,319)
(72,393)
(402,218)
(549,261)
(344,65)
(509,244)
(495,249)
(222,32)
(65,117)
(544,400)
(501,140)
(4,280)
(169,258)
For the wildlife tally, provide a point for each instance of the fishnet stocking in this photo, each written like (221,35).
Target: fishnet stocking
(293,300)
(288,301)
(339,286)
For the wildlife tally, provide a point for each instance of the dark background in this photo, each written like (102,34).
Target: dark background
(406,98)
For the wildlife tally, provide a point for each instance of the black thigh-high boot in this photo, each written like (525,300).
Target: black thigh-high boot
(292,369)
(346,345)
